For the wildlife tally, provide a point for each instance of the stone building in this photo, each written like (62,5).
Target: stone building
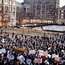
(43,9)
(62,15)
(8,12)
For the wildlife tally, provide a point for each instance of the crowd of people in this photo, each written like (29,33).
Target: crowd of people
(40,50)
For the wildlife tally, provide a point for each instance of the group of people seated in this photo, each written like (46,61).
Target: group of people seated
(40,50)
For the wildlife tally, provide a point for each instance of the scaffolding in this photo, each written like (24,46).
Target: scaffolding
(8,12)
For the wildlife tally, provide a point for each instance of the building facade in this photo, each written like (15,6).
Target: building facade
(18,10)
(8,12)
(62,15)
(43,9)
(62,12)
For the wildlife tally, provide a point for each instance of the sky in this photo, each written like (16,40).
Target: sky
(62,2)
(20,0)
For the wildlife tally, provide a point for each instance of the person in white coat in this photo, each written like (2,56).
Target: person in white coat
(21,59)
